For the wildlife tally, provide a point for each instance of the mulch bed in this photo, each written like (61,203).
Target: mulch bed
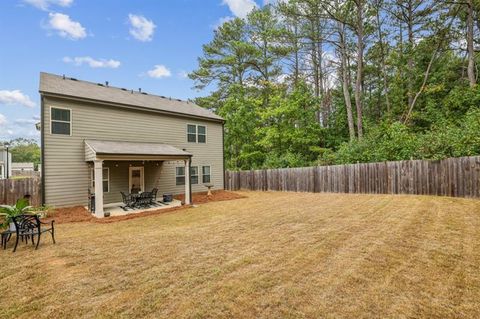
(80,214)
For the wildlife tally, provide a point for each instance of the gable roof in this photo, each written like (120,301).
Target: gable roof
(56,85)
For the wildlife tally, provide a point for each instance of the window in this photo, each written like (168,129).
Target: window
(192,133)
(106,179)
(60,121)
(180,175)
(202,134)
(196,133)
(206,174)
(194,174)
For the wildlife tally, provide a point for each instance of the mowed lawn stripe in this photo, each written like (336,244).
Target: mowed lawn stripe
(291,255)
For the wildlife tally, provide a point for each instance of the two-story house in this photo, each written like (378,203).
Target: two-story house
(110,140)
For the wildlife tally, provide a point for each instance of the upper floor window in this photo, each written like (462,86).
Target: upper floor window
(61,121)
(202,134)
(196,133)
(192,133)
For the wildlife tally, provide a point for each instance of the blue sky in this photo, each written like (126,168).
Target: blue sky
(148,44)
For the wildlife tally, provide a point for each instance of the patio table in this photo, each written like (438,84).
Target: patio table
(141,198)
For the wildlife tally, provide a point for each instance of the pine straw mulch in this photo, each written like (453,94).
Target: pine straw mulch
(80,214)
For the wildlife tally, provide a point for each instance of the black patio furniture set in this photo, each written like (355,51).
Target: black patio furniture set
(139,200)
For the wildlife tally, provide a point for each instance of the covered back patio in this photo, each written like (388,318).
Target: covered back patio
(133,168)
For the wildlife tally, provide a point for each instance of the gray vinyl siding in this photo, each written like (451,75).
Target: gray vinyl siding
(67,174)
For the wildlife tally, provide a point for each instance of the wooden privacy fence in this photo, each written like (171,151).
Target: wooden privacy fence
(456,177)
(13,189)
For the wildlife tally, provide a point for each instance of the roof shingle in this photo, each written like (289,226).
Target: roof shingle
(130,148)
(58,85)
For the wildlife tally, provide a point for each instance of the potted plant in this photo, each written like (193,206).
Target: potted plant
(21,207)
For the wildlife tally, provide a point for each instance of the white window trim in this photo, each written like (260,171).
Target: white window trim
(92,178)
(71,119)
(209,174)
(196,133)
(191,174)
(176,176)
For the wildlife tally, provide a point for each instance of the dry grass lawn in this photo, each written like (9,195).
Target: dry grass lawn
(270,255)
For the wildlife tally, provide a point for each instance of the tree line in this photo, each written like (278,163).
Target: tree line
(23,150)
(305,82)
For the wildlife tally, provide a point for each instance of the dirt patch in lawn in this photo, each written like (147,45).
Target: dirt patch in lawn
(80,214)
(217,196)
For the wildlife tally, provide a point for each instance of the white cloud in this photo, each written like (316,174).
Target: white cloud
(240,8)
(93,63)
(141,29)
(66,27)
(21,127)
(15,97)
(31,121)
(221,21)
(182,74)
(45,4)
(3,120)
(272,2)
(159,71)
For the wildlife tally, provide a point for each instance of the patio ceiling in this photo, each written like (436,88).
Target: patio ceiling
(119,150)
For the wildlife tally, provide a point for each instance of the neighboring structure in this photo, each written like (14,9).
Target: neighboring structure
(126,139)
(23,169)
(5,163)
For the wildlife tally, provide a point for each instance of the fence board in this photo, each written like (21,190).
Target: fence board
(13,189)
(456,177)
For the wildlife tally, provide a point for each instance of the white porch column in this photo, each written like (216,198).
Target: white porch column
(188,200)
(98,175)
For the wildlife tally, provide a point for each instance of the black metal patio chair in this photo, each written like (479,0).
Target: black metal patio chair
(153,198)
(129,201)
(30,227)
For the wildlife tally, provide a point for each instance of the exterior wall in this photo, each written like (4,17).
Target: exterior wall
(67,174)
(3,163)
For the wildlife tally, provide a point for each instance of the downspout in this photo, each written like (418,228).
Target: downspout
(42,148)
(190,179)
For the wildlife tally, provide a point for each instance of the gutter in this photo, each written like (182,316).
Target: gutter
(190,178)
(42,147)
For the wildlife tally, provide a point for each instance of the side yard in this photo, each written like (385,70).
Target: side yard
(290,255)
